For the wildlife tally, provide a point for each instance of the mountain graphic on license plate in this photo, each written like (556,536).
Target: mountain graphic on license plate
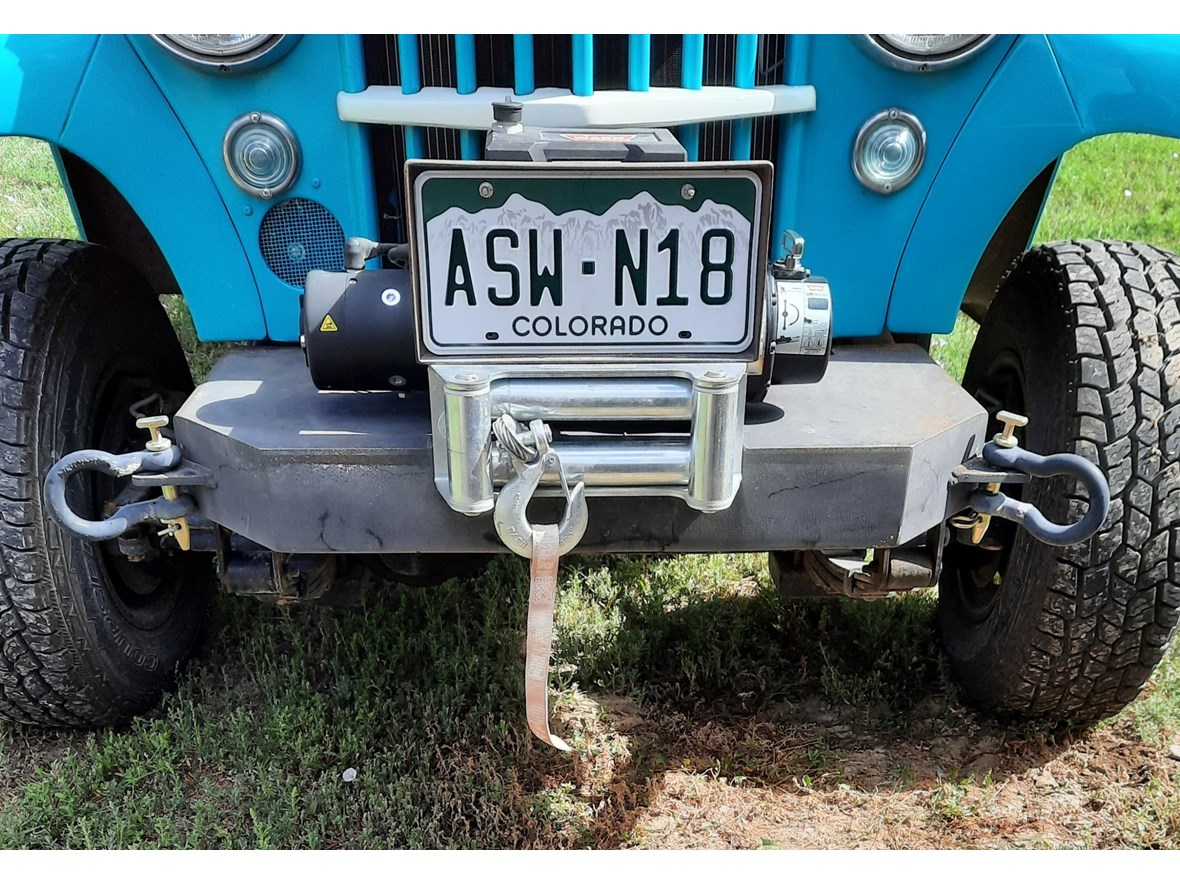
(574,262)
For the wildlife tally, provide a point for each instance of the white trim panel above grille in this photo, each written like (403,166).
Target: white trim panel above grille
(560,108)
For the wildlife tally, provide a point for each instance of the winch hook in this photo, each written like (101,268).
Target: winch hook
(511,517)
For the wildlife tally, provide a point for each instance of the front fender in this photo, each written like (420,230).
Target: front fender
(93,97)
(1049,94)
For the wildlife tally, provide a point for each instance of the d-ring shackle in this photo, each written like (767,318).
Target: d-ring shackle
(1025,514)
(511,520)
(127,516)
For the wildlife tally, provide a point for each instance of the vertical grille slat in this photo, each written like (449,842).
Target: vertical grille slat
(522,61)
(692,69)
(465,83)
(639,62)
(410,69)
(582,60)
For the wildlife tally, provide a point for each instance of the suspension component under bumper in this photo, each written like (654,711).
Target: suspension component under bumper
(863,458)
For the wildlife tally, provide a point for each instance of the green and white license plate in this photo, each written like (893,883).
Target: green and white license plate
(557,259)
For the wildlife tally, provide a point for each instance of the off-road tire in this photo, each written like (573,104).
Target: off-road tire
(85,638)
(1088,334)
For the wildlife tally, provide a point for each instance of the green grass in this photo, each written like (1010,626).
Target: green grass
(656,658)
(1117,187)
(32,202)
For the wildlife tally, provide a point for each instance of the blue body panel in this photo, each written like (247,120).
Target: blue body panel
(900,262)
(39,78)
(300,89)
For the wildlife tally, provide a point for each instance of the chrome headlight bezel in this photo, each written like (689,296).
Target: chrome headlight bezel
(265,46)
(884,52)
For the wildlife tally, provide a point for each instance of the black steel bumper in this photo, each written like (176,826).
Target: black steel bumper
(861,459)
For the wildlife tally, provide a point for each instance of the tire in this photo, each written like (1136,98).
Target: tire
(86,637)
(1084,339)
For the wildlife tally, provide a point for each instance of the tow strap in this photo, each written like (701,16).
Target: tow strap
(539,642)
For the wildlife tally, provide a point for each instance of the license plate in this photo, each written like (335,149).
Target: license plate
(647,261)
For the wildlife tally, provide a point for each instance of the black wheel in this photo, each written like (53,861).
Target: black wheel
(1084,338)
(87,637)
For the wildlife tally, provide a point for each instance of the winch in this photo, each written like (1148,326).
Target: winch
(647,413)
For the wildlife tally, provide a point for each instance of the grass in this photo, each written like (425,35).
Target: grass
(32,203)
(676,679)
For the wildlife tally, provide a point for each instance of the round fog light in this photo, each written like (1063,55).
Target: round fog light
(261,154)
(889,150)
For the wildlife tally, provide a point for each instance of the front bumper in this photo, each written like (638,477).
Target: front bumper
(861,459)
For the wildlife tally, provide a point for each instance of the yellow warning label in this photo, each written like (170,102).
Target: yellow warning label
(328,325)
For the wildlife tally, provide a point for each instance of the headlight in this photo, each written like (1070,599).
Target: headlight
(922,52)
(261,154)
(889,150)
(220,50)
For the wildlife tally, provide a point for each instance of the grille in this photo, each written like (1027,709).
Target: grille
(492,58)
(299,235)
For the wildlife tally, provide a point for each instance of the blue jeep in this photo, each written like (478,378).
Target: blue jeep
(606,293)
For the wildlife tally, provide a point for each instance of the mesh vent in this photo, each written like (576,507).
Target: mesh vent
(299,235)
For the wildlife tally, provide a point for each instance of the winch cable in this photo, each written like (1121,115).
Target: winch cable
(509,435)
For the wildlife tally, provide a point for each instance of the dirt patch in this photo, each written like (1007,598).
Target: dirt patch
(662,779)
